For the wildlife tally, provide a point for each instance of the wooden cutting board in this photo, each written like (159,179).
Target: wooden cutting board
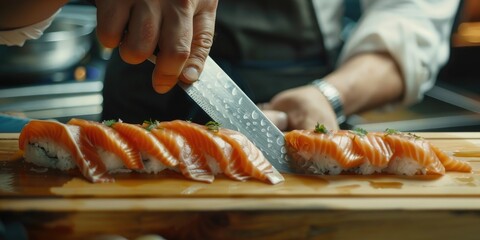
(23,180)
(25,188)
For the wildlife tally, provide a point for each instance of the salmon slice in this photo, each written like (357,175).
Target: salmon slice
(412,155)
(65,144)
(226,151)
(114,150)
(217,152)
(376,151)
(192,164)
(322,153)
(95,166)
(450,163)
(249,157)
(155,155)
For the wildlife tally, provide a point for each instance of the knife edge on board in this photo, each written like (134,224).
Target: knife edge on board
(221,98)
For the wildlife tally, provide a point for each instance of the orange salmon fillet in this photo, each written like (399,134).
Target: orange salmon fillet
(192,163)
(111,141)
(416,149)
(145,142)
(322,153)
(249,158)
(377,153)
(221,148)
(80,149)
(450,163)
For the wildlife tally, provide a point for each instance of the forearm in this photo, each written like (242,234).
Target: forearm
(415,33)
(366,81)
(22,13)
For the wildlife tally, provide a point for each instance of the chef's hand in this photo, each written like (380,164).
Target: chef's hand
(182,30)
(300,108)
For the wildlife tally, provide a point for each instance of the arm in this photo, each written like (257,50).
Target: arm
(21,13)
(366,81)
(415,33)
(392,56)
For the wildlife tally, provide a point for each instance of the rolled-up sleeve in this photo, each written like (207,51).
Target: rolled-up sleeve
(415,33)
(17,37)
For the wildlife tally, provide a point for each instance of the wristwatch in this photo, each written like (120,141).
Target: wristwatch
(333,97)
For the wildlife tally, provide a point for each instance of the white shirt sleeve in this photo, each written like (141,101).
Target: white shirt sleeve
(17,37)
(415,32)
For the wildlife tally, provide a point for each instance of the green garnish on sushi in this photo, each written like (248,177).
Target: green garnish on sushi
(359,132)
(415,136)
(390,131)
(150,124)
(213,126)
(320,128)
(109,123)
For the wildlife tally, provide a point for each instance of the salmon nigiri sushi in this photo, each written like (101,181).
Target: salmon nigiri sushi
(376,152)
(224,153)
(412,155)
(155,156)
(249,158)
(191,162)
(115,151)
(56,145)
(320,151)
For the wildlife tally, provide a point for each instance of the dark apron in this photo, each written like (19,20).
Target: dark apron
(266,46)
(270,45)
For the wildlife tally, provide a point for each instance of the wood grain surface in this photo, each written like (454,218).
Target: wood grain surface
(62,205)
(332,224)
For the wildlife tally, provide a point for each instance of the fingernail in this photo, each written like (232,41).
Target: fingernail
(190,74)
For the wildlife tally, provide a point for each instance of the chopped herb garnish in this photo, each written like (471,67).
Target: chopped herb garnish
(320,128)
(109,123)
(150,127)
(359,131)
(213,126)
(390,131)
(415,136)
(150,124)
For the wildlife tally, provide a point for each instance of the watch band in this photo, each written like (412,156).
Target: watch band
(333,97)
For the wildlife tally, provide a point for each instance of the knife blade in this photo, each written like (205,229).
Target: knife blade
(221,98)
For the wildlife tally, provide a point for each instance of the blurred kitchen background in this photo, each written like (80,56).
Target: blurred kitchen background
(60,76)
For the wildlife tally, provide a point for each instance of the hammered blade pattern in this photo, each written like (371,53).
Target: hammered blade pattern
(220,97)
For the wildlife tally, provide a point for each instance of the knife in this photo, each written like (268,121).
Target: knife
(220,97)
